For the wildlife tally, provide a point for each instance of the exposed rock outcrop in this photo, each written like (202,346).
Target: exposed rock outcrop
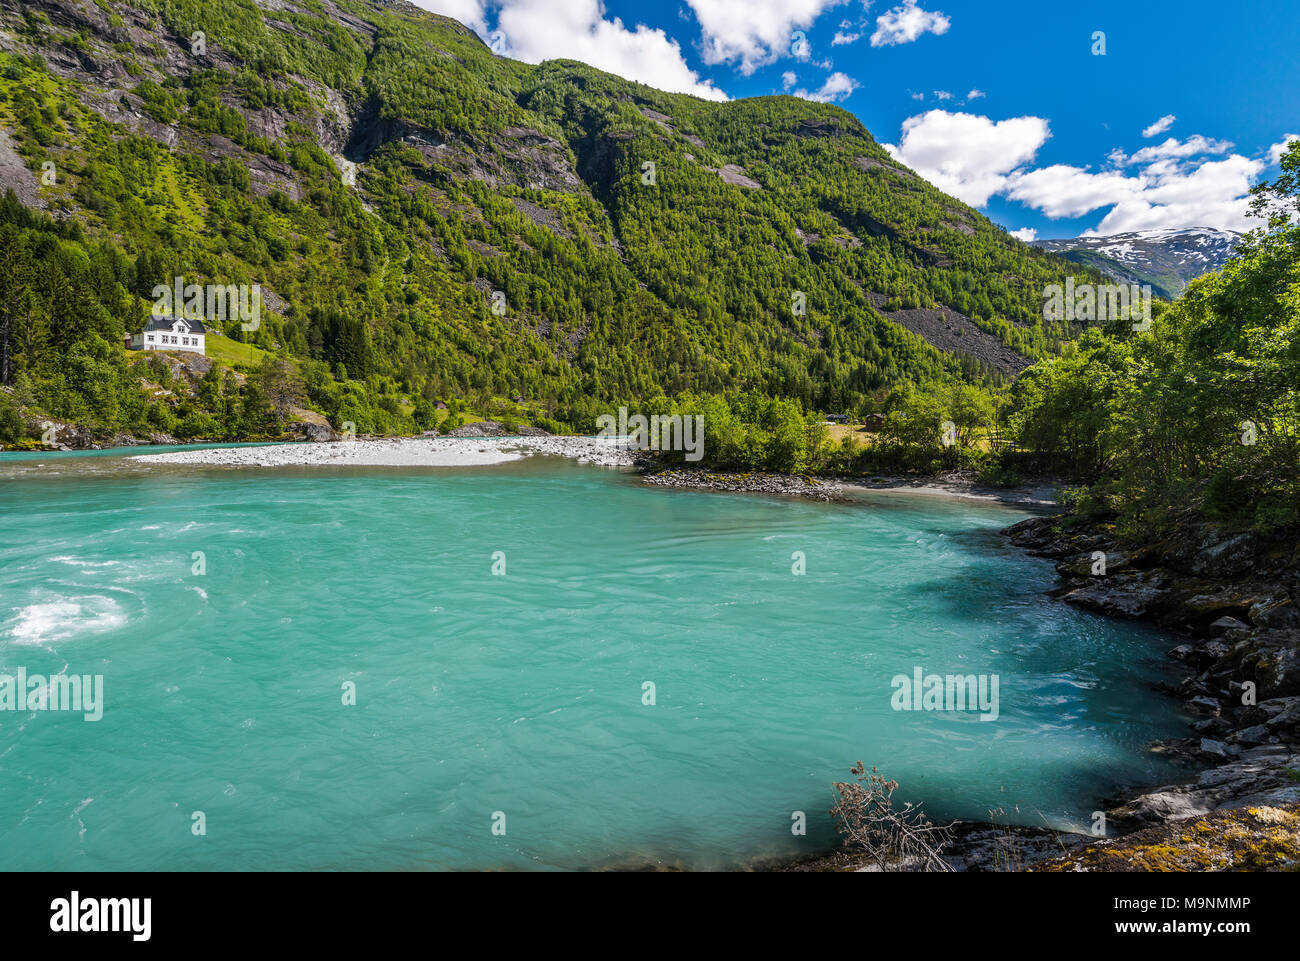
(492,428)
(1263,837)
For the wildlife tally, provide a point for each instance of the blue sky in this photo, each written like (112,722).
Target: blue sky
(1008,104)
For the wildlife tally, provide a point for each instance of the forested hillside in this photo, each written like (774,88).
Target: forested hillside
(430,222)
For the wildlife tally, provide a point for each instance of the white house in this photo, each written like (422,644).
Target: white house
(170,333)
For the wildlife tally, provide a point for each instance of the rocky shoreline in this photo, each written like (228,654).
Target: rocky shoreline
(1233,599)
(790,485)
(959,484)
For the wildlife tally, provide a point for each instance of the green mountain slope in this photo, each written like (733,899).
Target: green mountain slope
(430,221)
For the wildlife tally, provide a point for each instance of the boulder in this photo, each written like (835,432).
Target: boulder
(493,428)
(1225,556)
(1227,623)
(1250,736)
(1137,594)
(313,433)
(62,435)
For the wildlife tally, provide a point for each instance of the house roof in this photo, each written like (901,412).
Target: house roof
(165,322)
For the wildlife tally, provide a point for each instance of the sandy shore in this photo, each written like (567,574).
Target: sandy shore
(403,452)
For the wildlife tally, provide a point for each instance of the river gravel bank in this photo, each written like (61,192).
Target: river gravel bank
(404,452)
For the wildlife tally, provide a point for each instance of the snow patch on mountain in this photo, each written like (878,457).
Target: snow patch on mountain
(1167,258)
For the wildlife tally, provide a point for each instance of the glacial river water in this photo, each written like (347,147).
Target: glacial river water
(503,720)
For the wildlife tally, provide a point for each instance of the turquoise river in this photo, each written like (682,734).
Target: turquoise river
(228,609)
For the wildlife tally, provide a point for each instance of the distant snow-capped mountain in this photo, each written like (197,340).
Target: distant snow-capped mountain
(1165,258)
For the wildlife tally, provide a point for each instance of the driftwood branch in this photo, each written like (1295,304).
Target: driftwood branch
(896,839)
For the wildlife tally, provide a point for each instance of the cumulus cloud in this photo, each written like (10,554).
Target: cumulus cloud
(537,30)
(838,86)
(968,156)
(1195,182)
(1215,194)
(976,94)
(907,22)
(472,13)
(1160,126)
(1212,193)
(1276,151)
(753,33)
(842,38)
(1175,149)
(1064,191)
(1025,233)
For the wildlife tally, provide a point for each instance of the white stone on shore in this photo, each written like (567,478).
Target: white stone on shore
(404,452)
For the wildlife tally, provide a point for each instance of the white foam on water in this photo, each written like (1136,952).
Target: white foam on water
(58,620)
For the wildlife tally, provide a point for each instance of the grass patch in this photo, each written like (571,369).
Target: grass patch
(231,352)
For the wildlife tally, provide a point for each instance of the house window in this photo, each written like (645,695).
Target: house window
(150,338)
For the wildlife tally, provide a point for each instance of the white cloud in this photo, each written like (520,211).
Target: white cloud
(537,30)
(788,79)
(1175,149)
(1276,151)
(753,33)
(1025,233)
(976,94)
(942,95)
(1064,191)
(967,155)
(838,86)
(1160,126)
(1175,184)
(906,23)
(842,38)
(1213,193)
(472,13)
